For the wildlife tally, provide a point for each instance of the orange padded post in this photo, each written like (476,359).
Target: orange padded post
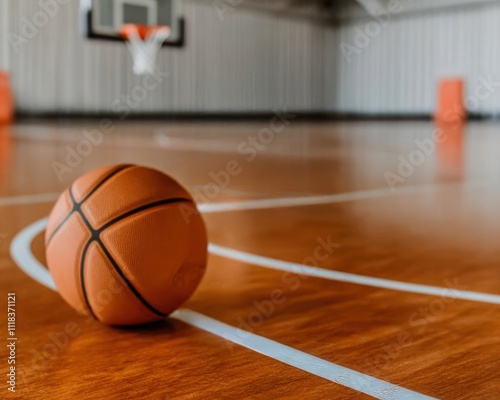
(451,101)
(6,99)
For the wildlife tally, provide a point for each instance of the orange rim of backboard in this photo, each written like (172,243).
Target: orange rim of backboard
(143,31)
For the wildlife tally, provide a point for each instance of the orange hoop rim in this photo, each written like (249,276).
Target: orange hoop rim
(142,30)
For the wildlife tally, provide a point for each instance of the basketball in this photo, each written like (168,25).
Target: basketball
(126,245)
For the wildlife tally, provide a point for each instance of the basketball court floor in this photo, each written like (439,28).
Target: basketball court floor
(322,281)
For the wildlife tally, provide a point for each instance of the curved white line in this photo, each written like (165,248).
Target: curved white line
(26,236)
(208,208)
(249,205)
(281,202)
(352,278)
(21,253)
(20,250)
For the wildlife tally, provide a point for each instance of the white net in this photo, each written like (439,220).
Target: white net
(145,47)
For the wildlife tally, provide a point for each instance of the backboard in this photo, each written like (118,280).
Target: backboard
(103,19)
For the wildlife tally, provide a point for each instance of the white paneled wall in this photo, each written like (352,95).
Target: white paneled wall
(4,30)
(397,72)
(250,61)
(254,61)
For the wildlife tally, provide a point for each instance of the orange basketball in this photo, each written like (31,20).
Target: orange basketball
(126,244)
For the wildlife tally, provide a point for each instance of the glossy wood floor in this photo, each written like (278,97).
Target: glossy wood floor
(440,227)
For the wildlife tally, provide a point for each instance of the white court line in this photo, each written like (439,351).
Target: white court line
(21,253)
(280,202)
(306,362)
(251,204)
(244,205)
(300,269)
(20,250)
(323,199)
(28,199)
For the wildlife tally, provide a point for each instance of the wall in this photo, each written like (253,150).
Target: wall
(254,61)
(250,61)
(398,70)
(4,29)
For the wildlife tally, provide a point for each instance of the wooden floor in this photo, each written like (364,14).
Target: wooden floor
(314,195)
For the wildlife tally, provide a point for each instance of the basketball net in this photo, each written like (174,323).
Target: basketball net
(144,43)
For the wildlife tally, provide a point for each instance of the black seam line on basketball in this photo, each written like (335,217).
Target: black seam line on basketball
(127,282)
(82,279)
(105,179)
(65,219)
(102,182)
(140,209)
(113,261)
(96,238)
(76,208)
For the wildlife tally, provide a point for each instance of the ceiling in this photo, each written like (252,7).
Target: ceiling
(324,9)
(347,9)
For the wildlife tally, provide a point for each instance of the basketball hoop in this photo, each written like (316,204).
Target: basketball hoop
(144,43)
